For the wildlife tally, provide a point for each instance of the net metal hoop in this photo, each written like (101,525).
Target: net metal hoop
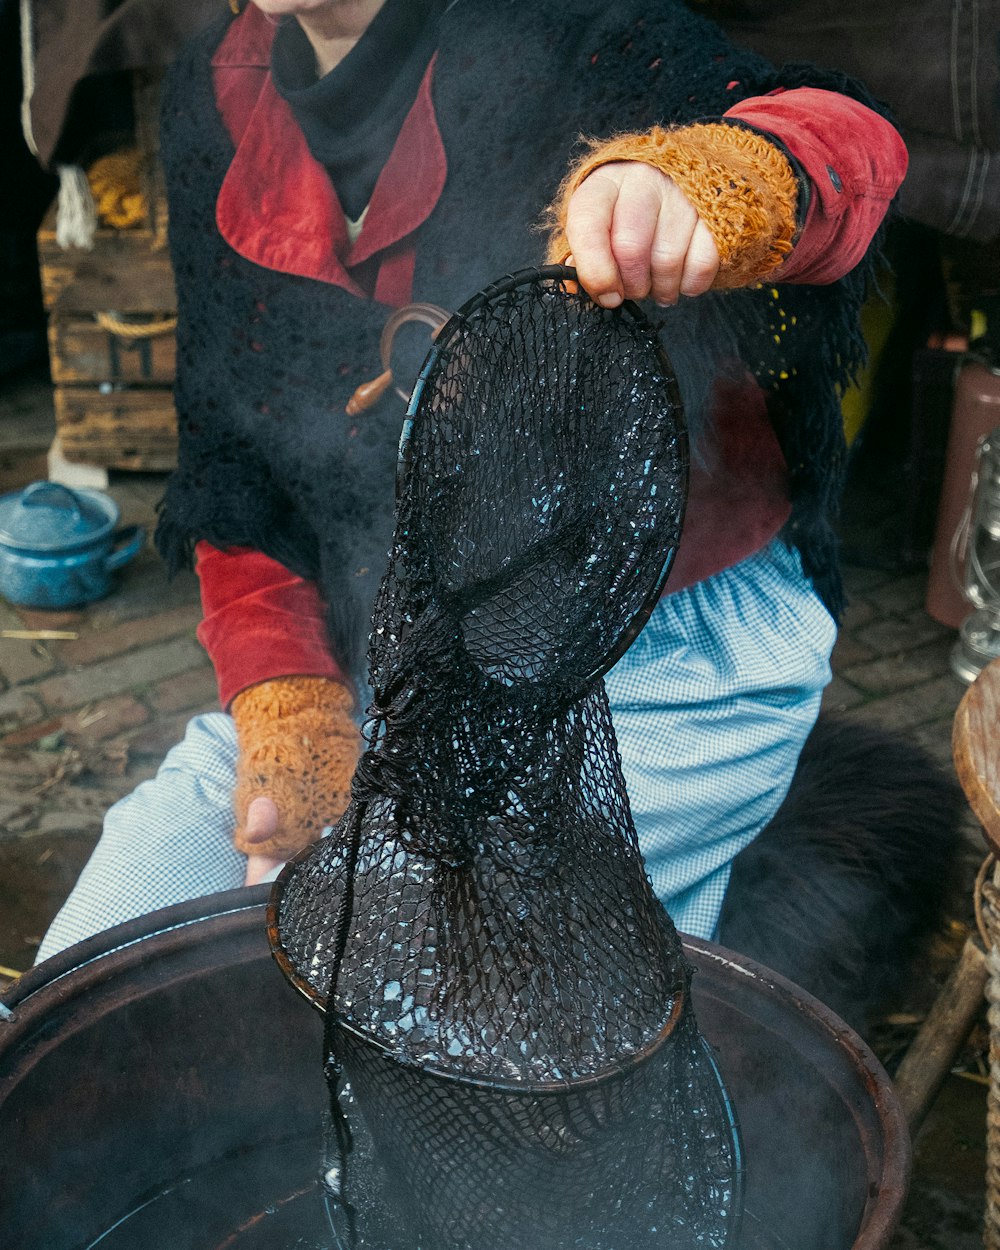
(317,1000)
(455,326)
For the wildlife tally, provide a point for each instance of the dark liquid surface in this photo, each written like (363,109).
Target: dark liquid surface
(261,1197)
(267,1198)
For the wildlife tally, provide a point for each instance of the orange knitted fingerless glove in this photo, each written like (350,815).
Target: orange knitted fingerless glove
(298,745)
(742,187)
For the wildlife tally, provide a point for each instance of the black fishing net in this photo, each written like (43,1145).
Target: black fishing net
(505,993)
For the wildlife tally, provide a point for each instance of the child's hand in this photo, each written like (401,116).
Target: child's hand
(633,233)
(298,745)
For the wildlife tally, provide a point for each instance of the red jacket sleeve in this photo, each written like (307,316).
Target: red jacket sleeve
(855,161)
(260,621)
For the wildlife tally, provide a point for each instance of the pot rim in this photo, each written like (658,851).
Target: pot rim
(240,913)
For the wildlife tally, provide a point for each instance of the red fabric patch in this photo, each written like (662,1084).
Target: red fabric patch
(260,621)
(737,498)
(277,206)
(827,132)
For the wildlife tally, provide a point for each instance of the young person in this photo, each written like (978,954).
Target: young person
(331,160)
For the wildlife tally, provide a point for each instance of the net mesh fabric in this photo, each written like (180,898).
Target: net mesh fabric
(509,999)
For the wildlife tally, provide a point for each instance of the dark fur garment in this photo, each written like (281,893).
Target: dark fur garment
(845,885)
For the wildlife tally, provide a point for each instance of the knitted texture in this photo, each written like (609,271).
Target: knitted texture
(298,746)
(266,361)
(742,187)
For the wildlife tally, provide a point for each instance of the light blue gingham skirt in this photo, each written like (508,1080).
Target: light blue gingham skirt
(711,705)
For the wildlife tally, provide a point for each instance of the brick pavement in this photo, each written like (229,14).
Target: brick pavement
(84,719)
(82,722)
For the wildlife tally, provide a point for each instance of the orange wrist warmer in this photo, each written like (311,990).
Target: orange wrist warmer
(741,185)
(298,746)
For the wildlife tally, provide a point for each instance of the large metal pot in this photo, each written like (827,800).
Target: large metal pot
(161,1087)
(59,547)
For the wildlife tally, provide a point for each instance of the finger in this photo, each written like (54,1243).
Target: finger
(259,867)
(633,230)
(701,265)
(588,230)
(262,820)
(675,226)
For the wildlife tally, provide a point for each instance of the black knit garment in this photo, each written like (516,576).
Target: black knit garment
(267,361)
(351,116)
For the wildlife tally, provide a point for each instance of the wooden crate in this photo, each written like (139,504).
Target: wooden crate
(126,272)
(111,345)
(127,428)
(82,351)
(113,391)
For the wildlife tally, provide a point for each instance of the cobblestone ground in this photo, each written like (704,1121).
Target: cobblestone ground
(85,717)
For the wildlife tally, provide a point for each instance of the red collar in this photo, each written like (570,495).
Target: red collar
(277,206)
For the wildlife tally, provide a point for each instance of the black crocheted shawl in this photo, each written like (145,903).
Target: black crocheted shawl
(266,361)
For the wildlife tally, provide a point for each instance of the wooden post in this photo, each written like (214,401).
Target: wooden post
(932,1052)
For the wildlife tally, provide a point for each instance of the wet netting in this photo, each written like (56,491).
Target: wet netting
(503,990)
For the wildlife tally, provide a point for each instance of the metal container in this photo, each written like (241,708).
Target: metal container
(977,547)
(161,1086)
(59,547)
(975,412)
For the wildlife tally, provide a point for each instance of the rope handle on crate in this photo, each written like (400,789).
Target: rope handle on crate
(135,329)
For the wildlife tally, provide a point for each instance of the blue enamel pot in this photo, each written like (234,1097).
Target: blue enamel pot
(60,547)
